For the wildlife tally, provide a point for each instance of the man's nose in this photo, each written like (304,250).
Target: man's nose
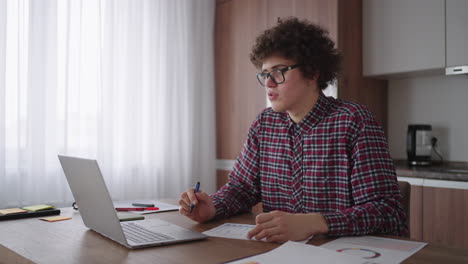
(269,82)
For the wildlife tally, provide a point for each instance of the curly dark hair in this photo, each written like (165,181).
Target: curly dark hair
(307,44)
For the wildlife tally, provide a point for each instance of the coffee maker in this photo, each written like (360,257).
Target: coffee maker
(418,144)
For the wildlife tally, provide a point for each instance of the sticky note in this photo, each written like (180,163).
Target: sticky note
(55,218)
(38,207)
(123,216)
(12,211)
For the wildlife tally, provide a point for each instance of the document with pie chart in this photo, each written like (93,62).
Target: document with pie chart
(375,249)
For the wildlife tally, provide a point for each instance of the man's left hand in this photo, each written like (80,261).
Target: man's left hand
(277,226)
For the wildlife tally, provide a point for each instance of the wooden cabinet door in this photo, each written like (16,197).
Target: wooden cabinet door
(402,36)
(445,216)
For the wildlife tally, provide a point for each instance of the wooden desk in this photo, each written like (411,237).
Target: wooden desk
(32,240)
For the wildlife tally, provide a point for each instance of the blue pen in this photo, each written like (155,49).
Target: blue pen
(197,186)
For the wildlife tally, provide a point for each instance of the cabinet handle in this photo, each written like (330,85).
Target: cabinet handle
(456,70)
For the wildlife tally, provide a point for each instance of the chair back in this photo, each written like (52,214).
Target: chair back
(405,190)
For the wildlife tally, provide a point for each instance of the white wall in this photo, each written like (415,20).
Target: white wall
(438,100)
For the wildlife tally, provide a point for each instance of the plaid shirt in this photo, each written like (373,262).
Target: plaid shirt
(335,162)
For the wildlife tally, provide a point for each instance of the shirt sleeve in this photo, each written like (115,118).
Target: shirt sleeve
(243,188)
(375,191)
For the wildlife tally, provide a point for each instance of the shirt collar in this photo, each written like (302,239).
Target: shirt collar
(318,112)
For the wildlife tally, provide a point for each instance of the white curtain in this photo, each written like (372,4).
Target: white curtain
(129,83)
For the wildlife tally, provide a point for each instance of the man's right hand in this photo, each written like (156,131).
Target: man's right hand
(203,210)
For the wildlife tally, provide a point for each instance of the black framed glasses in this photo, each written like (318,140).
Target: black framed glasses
(277,76)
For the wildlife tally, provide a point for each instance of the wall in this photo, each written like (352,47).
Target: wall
(238,96)
(437,100)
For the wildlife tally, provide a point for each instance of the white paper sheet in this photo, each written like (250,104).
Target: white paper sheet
(235,231)
(377,250)
(230,230)
(294,252)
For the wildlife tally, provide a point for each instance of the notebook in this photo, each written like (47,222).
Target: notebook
(97,210)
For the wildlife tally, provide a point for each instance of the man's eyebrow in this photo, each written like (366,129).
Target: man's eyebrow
(277,66)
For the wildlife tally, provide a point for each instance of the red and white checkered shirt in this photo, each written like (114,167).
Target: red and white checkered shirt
(335,162)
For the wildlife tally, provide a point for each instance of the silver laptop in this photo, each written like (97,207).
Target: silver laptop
(98,213)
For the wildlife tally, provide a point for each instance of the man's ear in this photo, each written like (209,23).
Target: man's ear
(316,76)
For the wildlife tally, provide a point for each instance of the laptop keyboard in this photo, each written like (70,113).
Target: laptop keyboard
(139,234)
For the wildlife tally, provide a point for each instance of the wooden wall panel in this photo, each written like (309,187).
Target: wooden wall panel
(324,13)
(352,86)
(221,178)
(239,98)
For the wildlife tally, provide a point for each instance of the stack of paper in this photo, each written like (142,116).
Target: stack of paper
(38,207)
(33,208)
(12,211)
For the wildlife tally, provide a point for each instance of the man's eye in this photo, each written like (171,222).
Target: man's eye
(275,73)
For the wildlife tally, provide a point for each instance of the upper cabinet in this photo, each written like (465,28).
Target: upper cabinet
(457,36)
(403,36)
(413,37)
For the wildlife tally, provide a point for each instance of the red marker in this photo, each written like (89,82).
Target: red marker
(137,208)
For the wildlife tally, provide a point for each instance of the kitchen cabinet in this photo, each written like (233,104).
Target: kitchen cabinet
(402,36)
(445,216)
(438,211)
(411,38)
(457,33)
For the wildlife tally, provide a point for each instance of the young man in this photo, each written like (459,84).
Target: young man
(317,164)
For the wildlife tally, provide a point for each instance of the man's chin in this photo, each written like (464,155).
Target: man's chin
(277,109)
